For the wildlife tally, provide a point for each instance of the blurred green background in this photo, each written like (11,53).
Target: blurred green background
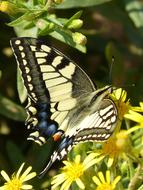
(112,28)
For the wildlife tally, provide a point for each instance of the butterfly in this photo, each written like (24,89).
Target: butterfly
(63,102)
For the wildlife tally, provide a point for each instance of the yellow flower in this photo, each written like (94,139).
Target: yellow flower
(72,171)
(105,183)
(17,181)
(119,96)
(8,7)
(113,148)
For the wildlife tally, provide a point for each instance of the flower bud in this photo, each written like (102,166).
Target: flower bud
(79,38)
(8,8)
(75,24)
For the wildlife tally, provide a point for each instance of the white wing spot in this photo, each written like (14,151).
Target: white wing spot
(35,134)
(57,61)
(22,54)
(45,48)
(41,60)
(40,54)
(24,62)
(17,42)
(113,118)
(29,78)
(27,70)
(21,48)
(33,48)
(30,87)
(32,110)
(42,139)
(107,136)
(33,95)
(68,71)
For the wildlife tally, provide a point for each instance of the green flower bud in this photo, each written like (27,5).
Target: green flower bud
(75,24)
(79,38)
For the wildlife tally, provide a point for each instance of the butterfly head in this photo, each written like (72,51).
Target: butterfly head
(100,94)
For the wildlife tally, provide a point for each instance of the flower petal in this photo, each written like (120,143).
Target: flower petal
(67,164)
(77,159)
(116,180)
(5,176)
(96,180)
(94,161)
(66,185)
(101,177)
(26,172)
(26,187)
(110,162)
(58,179)
(108,176)
(134,116)
(19,171)
(29,176)
(80,183)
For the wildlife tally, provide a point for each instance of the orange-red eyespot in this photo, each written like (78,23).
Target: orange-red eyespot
(57,136)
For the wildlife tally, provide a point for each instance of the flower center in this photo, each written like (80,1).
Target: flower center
(14,184)
(75,171)
(104,186)
(110,147)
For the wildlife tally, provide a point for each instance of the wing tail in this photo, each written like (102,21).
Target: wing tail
(64,147)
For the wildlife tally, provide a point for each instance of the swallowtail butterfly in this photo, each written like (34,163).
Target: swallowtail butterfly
(63,103)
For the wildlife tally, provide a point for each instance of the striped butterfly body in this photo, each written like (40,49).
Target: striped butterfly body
(63,103)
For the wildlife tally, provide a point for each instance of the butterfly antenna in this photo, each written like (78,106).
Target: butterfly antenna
(111,69)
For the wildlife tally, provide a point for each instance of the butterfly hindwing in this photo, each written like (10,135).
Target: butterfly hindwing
(97,126)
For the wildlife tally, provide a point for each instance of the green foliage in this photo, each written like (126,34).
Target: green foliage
(112,29)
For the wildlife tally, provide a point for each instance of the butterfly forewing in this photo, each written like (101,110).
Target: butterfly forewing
(51,79)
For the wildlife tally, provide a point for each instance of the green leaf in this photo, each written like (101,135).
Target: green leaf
(14,153)
(28,16)
(135,11)
(68,4)
(20,87)
(19,20)
(11,110)
(67,38)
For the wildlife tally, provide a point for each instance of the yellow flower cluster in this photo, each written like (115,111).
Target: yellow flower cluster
(115,148)
(17,181)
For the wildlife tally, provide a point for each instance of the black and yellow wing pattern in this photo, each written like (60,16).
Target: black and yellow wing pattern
(63,103)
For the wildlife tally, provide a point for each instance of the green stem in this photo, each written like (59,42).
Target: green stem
(136,179)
